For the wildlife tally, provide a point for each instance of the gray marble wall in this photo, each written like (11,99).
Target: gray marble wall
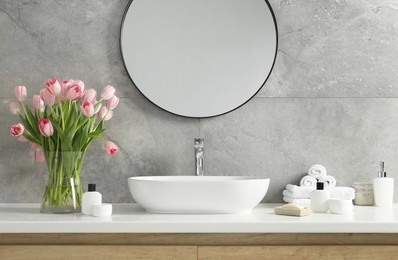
(332,97)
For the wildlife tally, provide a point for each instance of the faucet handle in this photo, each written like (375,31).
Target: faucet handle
(199,142)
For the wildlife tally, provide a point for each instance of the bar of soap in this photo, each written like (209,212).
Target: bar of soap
(292,210)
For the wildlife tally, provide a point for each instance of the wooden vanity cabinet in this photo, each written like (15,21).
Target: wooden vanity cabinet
(198,246)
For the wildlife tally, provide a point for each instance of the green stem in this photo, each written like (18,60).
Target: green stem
(24,110)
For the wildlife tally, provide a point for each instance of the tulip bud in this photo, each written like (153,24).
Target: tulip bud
(73,89)
(74,92)
(112,102)
(17,129)
(53,85)
(107,92)
(47,97)
(89,95)
(45,127)
(20,93)
(38,103)
(87,109)
(110,148)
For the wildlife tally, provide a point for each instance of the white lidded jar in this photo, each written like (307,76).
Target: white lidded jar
(90,198)
(319,199)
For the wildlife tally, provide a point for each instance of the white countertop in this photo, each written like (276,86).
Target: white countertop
(131,218)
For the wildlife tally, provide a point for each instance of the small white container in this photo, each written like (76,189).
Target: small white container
(102,210)
(383,189)
(89,199)
(319,199)
(340,206)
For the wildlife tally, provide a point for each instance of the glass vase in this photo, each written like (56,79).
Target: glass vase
(63,193)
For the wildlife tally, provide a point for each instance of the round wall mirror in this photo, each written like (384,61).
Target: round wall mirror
(199,58)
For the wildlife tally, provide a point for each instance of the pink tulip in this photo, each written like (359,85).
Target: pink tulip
(39,156)
(47,97)
(110,148)
(45,127)
(74,92)
(112,102)
(20,93)
(17,129)
(64,87)
(105,114)
(89,95)
(73,89)
(53,85)
(87,109)
(23,139)
(14,107)
(38,103)
(107,92)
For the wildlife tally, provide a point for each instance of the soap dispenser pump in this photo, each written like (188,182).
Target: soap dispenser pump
(383,187)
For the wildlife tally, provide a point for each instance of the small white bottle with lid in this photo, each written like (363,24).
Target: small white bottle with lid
(90,198)
(319,199)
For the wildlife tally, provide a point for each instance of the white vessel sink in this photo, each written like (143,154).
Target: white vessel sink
(198,194)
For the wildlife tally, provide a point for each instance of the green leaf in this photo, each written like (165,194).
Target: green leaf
(31,138)
(31,118)
(27,125)
(85,120)
(67,144)
(96,133)
(58,129)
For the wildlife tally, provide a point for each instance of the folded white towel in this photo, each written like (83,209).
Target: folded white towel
(308,181)
(299,189)
(317,171)
(306,203)
(298,192)
(301,192)
(328,181)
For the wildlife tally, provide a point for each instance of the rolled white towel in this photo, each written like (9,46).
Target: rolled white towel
(298,192)
(306,203)
(328,181)
(317,171)
(346,193)
(308,181)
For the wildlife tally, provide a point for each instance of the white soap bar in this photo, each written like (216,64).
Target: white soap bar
(102,210)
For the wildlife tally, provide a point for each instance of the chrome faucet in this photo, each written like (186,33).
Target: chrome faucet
(199,156)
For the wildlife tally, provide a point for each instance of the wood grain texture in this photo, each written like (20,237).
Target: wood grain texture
(198,239)
(77,252)
(297,252)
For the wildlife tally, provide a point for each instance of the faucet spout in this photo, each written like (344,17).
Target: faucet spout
(199,156)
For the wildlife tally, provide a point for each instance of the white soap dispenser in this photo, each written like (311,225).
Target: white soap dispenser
(90,198)
(319,199)
(383,187)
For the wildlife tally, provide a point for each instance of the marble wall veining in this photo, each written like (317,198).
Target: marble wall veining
(332,97)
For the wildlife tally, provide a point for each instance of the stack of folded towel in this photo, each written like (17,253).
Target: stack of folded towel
(300,195)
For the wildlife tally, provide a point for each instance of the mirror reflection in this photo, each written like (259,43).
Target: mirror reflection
(199,58)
